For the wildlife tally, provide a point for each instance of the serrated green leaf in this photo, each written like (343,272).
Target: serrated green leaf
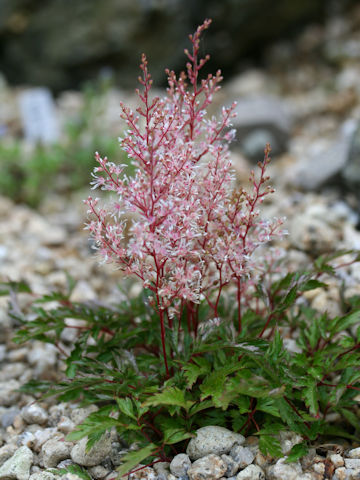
(126,407)
(298,451)
(170,396)
(270,445)
(192,371)
(267,405)
(311,397)
(132,459)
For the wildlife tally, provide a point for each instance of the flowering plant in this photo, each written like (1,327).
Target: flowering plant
(179,357)
(195,232)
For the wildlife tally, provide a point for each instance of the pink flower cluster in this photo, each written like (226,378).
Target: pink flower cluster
(194,232)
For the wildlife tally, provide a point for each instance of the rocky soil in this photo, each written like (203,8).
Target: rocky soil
(309,110)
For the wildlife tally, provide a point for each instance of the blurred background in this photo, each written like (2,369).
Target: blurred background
(293,66)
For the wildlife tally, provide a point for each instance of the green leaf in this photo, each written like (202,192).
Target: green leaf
(192,371)
(126,407)
(132,459)
(267,405)
(169,396)
(345,322)
(351,417)
(198,407)
(176,435)
(311,397)
(290,297)
(70,372)
(311,285)
(270,445)
(298,451)
(19,287)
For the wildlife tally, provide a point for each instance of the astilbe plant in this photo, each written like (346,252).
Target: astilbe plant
(202,344)
(195,231)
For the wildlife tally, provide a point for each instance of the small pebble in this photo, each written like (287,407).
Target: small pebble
(33,413)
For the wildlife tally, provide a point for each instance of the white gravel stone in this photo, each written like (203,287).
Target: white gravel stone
(96,455)
(146,473)
(6,452)
(42,357)
(352,463)
(242,455)
(70,476)
(180,464)
(33,413)
(18,466)
(8,393)
(209,467)
(98,472)
(2,352)
(251,472)
(55,450)
(319,468)
(65,425)
(42,436)
(43,476)
(284,471)
(212,439)
(26,439)
(337,460)
(340,474)
(288,440)
(231,465)
(78,415)
(354,453)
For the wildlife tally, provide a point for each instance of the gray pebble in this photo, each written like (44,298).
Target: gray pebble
(33,413)
(8,416)
(231,464)
(243,456)
(55,450)
(251,472)
(180,464)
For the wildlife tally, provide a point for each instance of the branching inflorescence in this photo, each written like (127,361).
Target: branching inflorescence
(194,232)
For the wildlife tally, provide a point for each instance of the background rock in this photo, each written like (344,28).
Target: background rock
(212,440)
(112,34)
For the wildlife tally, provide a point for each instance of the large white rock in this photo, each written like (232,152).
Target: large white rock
(210,467)
(18,466)
(212,439)
(96,455)
(54,451)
